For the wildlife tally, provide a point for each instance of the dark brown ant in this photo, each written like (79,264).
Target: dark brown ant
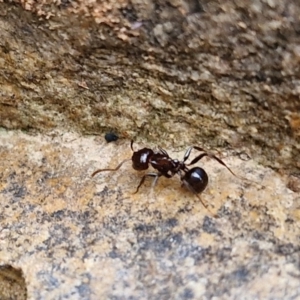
(195,179)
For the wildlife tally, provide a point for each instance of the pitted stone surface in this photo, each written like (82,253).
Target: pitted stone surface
(92,238)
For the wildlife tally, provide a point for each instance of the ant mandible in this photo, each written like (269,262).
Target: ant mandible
(195,179)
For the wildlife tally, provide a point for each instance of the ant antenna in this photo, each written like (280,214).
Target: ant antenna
(115,169)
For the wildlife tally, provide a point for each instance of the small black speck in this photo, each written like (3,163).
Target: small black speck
(129,13)
(65,4)
(258,236)
(144,227)
(103,193)
(177,238)
(188,294)
(59,215)
(240,274)
(12,175)
(113,254)
(209,225)
(84,291)
(111,137)
(185,209)
(195,6)
(170,241)
(172,222)
(20,192)
(164,293)
(192,277)
(289,221)
(224,254)
(132,298)
(286,249)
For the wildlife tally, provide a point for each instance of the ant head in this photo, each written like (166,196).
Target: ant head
(195,180)
(140,159)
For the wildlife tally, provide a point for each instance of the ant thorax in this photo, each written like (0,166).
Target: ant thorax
(164,164)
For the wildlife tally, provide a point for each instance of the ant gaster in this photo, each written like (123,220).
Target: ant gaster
(195,179)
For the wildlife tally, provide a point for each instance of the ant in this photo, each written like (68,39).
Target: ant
(195,179)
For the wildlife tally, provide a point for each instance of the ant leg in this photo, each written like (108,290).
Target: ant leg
(205,205)
(196,159)
(189,187)
(163,151)
(187,154)
(117,168)
(131,145)
(155,175)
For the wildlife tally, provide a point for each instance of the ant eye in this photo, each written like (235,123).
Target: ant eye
(195,180)
(140,159)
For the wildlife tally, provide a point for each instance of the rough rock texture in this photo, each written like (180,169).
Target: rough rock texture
(181,72)
(83,238)
(219,74)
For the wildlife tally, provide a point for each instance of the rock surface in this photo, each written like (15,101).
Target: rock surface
(219,74)
(77,237)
